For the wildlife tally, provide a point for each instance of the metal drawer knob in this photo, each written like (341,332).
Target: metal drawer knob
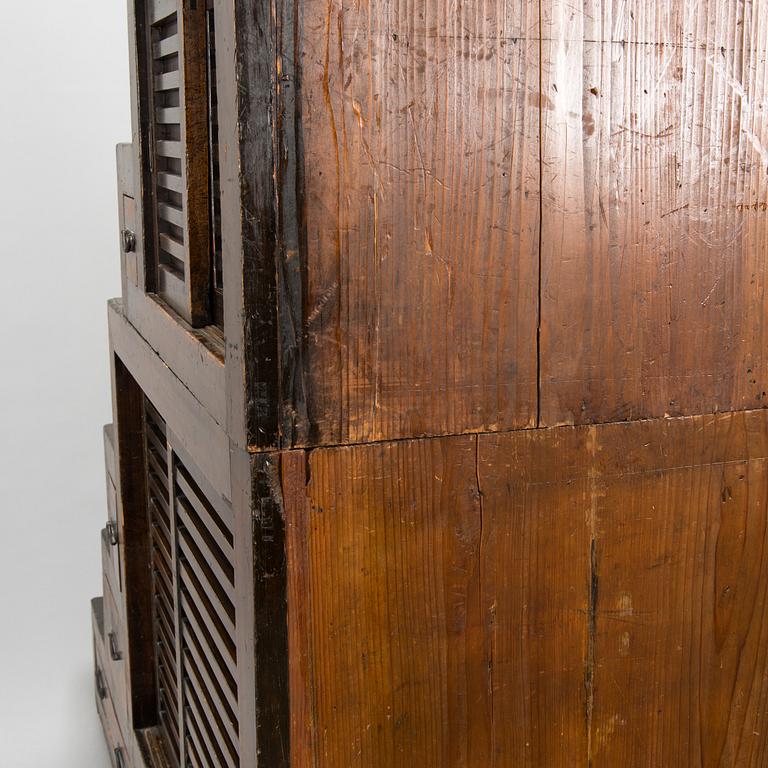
(112,532)
(129,241)
(101,687)
(114,651)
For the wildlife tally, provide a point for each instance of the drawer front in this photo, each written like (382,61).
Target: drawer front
(111,544)
(113,657)
(108,701)
(127,212)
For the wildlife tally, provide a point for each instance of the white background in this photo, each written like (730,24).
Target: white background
(64,104)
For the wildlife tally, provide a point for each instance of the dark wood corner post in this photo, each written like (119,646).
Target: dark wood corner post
(247,100)
(134,535)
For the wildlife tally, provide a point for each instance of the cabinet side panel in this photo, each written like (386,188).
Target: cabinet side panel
(681,620)
(387,625)
(655,221)
(419,128)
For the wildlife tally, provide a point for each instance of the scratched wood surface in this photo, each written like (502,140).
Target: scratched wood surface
(419,132)
(581,596)
(654,210)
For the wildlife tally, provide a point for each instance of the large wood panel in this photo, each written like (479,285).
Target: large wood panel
(419,218)
(385,554)
(655,223)
(580,596)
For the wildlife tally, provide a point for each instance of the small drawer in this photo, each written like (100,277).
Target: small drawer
(127,212)
(110,537)
(110,455)
(110,559)
(113,655)
(107,705)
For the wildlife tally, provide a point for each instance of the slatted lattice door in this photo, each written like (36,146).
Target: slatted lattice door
(180,139)
(194,613)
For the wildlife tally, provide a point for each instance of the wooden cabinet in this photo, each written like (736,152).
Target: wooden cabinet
(438,388)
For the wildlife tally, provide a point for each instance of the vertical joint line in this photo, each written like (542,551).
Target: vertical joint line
(541,214)
(589,672)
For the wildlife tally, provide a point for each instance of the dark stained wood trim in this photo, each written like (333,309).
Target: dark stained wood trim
(134,543)
(271,609)
(246,79)
(140,116)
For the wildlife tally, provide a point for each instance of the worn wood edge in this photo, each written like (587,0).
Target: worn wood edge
(270,580)
(195,355)
(246,78)
(198,432)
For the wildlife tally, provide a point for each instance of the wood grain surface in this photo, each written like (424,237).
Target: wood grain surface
(654,214)
(581,596)
(420,209)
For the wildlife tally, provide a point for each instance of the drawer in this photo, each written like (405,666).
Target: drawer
(110,560)
(114,655)
(110,454)
(127,210)
(107,705)
(111,544)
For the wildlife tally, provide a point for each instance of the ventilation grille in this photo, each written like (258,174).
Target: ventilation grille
(194,609)
(164,582)
(167,135)
(180,82)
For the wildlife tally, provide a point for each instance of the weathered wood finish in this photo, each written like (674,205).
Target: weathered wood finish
(576,596)
(455,241)
(654,214)
(420,214)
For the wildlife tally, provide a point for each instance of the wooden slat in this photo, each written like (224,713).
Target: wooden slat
(153,416)
(222,567)
(164,532)
(171,214)
(166,674)
(164,614)
(208,602)
(157,443)
(158,480)
(192,754)
(207,569)
(211,642)
(193,734)
(168,115)
(195,508)
(205,728)
(168,81)
(170,737)
(166,47)
(223,692)
(171,181)
(166,586)
(173,149)
(211,706)
(161,547)
(164,631)
(174,247)
(160,10)
(221,509)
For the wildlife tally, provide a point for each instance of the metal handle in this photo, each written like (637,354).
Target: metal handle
(114,651)
(129,241)
(101,687)
(112,532)
(119,758)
